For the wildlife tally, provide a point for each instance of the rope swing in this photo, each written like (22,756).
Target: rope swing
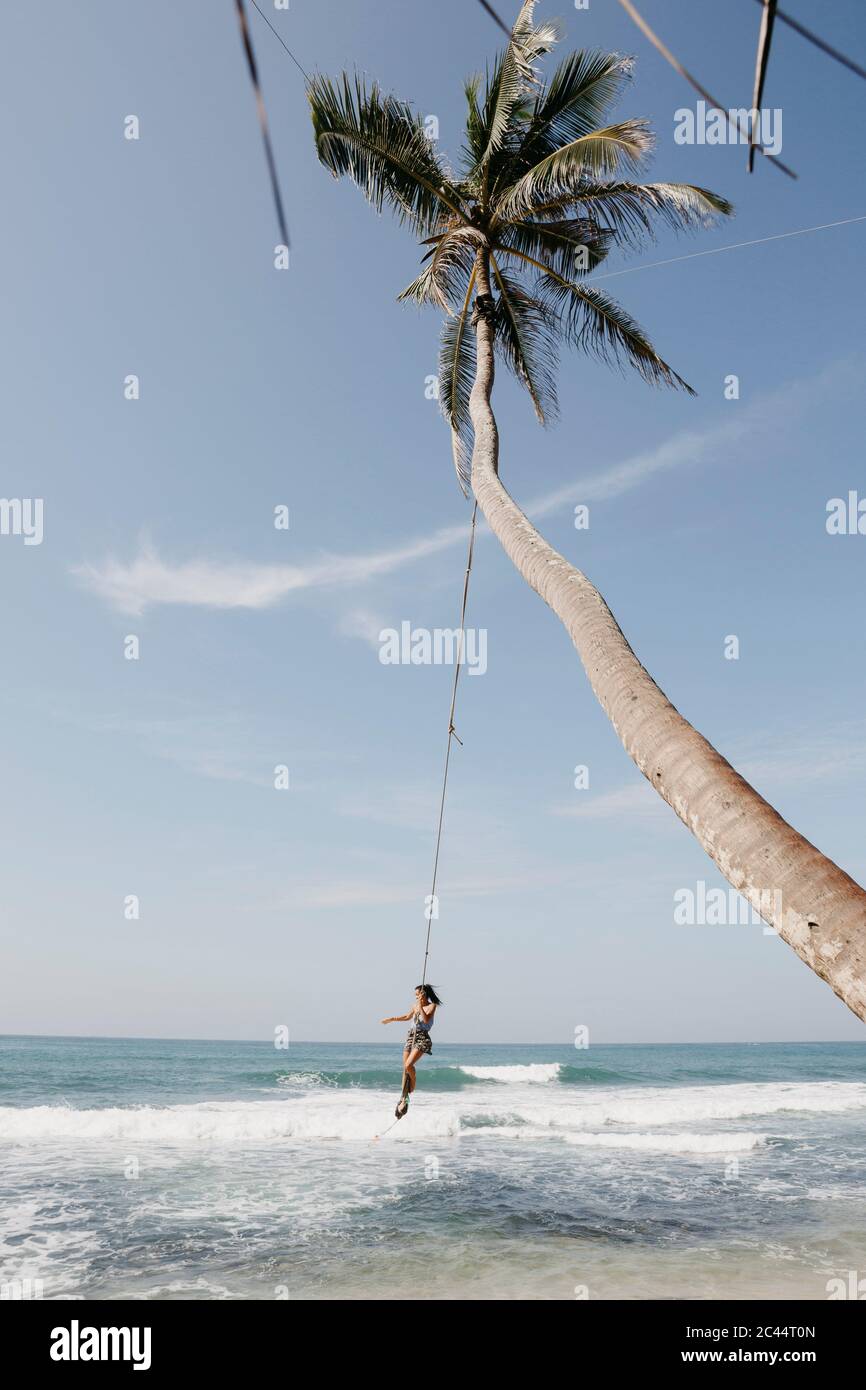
(452,734)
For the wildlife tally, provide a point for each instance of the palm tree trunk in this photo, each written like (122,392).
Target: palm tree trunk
(813,904)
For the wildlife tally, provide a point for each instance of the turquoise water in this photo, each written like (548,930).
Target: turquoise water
(161,1169)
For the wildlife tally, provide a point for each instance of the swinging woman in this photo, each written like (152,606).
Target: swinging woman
(418,1041)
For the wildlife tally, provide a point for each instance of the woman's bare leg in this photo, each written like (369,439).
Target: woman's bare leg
(409,1066)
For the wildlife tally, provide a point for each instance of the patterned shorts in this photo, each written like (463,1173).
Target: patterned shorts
(419,1040)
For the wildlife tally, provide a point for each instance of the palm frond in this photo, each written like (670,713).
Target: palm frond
(476,134)
(595,323)
(444,279)
(525,335)
(571,247)
(628,210)
(381,144)
(456,379)
(574,103)
(514,78)
(558,176)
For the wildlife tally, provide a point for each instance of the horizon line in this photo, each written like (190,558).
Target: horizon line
(366,1042)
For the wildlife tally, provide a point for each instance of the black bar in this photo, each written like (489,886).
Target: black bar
(611,1337)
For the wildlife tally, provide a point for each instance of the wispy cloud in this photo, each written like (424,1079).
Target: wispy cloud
(149,579)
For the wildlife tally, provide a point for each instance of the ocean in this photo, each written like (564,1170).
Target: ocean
(230,1170)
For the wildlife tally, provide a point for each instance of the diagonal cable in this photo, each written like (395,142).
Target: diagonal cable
(263,119)
(693,82)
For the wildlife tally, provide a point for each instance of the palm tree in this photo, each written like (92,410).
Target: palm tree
(545,188)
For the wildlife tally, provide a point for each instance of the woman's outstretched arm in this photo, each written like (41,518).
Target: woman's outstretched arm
(398,1018)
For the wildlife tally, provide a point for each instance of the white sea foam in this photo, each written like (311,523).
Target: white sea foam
(671,1143)
(221,1122)
(304,1079)
(184,1289)
(696,1104)
(682,1143)
(361,1115)
(41,1235)
(536,1073)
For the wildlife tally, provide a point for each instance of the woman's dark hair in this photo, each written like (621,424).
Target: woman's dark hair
(430,994)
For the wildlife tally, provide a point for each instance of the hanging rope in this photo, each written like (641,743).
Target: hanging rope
(452,734)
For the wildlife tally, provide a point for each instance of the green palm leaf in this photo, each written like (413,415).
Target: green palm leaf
(514,78)
(595,323)
(444,279)
(381,144)
(575,102)
(526,337)
(600,153)
(573,246)
(476,133)
(628,210)
(456,378)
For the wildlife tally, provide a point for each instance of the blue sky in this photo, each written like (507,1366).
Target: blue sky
(258,647)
